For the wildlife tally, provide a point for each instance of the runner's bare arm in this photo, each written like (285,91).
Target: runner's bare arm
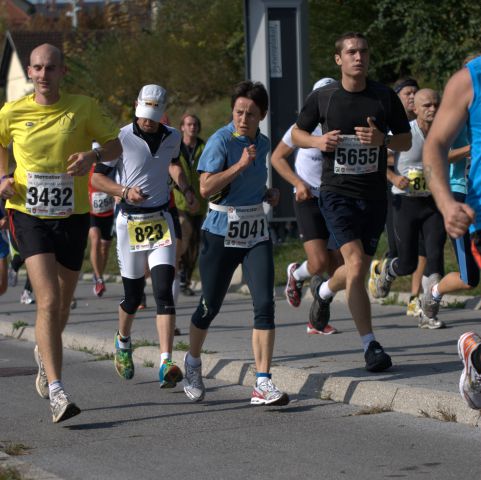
(178,175)
(371,135)
(449,120)
(398,180)
(282,167)
(326,143)
(79,163)
(7,189)
(211,183)
(457,154)
(105,184)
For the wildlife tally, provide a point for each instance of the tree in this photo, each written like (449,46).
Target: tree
(193,49)
(432,37)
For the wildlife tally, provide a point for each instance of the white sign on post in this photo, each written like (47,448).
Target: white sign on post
(275,56)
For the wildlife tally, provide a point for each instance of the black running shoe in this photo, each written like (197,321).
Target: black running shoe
(376,358)
(320,311)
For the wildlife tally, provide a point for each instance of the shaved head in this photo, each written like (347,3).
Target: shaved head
(426,104)
(46,49)
(425,94)
(46,70)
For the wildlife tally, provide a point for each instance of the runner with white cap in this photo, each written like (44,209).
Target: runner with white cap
(145,230)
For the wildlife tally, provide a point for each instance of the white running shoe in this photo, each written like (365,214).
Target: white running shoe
(62,407)
(266,393)
(27,297)
(41,382)
(430,323)
(470,381)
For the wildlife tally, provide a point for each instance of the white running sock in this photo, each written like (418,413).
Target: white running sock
(366,340)
(54,387)
(302,273)
(193,361)
(435,292)
(165,356)
(325,292)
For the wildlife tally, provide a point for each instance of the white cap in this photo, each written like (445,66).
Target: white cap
(323,82)
(151,102)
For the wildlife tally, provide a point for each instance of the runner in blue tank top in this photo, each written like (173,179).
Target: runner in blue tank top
(461,104)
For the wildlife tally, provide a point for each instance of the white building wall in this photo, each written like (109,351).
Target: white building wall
(17,83)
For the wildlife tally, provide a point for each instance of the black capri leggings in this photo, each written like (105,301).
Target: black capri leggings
(217,265)
(412,216)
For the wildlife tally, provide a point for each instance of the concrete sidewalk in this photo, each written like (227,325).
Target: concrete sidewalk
(423,380)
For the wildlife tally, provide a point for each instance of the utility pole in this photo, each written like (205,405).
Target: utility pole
(73,13)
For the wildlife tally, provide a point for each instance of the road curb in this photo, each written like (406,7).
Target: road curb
(369,394)
(237,286)
(25,469)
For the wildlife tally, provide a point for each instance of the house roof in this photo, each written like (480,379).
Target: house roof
(16,13)
(23,42)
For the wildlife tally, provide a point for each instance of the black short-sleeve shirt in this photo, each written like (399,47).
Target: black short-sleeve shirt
(354,170)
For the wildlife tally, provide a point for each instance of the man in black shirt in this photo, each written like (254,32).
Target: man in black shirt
(361,118)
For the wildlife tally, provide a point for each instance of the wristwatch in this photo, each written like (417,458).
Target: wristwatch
(387,140)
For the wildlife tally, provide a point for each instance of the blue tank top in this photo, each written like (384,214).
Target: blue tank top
(474,134)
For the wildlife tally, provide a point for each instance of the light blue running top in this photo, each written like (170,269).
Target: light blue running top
(457,171)
(474,134)
(223,149)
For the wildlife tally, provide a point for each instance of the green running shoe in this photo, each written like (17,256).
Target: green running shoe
(169,374)
(123,360)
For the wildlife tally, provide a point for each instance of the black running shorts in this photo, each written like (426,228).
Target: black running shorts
(66,237)
(310,222)
(105,225)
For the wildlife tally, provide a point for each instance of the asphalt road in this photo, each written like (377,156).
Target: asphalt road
(135,430)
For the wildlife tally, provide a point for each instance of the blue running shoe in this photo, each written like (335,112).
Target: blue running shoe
(169,374)
(123,360)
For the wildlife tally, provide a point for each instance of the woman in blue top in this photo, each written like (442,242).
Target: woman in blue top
(233,175)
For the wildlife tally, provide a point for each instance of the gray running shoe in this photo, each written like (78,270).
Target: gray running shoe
(12,277)
(41,382)
(193,385)
(429,305)
(320,311)
(384,281)
(430,323)
(62,407)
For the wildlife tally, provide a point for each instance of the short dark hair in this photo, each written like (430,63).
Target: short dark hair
(255,91)
(193,115)
(345,36)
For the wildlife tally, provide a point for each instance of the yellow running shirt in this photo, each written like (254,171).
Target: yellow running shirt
(44,136)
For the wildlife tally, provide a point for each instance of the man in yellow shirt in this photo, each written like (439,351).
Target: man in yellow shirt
(47,201)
